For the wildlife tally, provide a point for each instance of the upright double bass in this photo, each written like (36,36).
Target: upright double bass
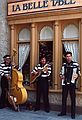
(17,89)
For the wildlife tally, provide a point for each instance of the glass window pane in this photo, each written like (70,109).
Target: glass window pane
(24,35)
(24,60)
(71,31)
(46,33)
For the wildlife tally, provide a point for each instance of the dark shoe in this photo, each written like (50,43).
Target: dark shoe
(36,109)
(61,114)
(73,117)
(1,107)
(47,111)
(18,109)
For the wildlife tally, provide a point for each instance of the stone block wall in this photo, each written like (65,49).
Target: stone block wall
(55,100)
(4,30)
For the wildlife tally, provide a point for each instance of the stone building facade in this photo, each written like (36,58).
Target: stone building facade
(4,30)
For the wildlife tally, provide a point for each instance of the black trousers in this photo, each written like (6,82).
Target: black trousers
(71,89)
(4,88)
(42,90)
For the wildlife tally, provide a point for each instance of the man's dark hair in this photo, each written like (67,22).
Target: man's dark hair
(68,52)
(43,57)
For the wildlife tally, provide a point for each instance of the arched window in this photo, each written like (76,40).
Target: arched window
(24,35)
(70,31)
(46,44)
(70,40)
(24,52)
(46,33)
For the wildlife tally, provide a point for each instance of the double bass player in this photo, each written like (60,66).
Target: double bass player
(5,72)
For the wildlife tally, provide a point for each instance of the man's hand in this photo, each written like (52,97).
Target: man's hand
(34,73)
(62,76)
(8,77)
(75,76)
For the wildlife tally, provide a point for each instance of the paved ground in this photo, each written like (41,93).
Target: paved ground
(8,114)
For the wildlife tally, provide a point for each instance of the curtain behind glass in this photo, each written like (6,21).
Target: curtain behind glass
(24,50)
(72,47)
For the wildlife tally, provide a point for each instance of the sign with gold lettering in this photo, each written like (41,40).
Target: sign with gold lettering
(32,6)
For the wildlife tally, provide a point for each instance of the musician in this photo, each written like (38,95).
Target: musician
(5,71)
(69,74)
(42,87)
